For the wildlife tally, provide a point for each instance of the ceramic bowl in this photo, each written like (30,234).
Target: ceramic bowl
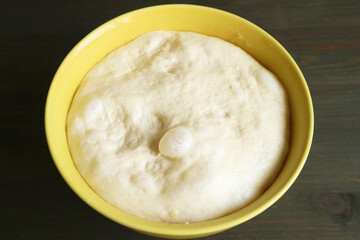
(205,20)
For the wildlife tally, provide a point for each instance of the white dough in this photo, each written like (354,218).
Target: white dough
(178,127)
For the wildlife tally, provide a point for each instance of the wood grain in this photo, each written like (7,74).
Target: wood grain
(323,37)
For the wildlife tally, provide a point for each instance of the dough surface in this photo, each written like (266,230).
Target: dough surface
(219,118)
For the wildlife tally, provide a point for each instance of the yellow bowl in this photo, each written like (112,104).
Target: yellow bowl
(205,20)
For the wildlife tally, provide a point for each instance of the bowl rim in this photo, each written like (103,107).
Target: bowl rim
(203,229)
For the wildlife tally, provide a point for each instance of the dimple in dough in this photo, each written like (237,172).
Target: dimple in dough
(178,127)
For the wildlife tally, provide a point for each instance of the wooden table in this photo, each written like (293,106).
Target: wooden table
(323,37)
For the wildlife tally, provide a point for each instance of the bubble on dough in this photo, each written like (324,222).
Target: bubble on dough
(175,142)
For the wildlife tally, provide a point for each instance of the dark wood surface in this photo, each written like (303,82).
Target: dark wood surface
(323,37)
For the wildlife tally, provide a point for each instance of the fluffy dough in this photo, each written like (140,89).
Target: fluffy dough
(219,118)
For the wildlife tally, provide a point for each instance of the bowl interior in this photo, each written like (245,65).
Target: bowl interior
(192,18)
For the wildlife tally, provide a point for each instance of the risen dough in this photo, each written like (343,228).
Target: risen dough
(218,117)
